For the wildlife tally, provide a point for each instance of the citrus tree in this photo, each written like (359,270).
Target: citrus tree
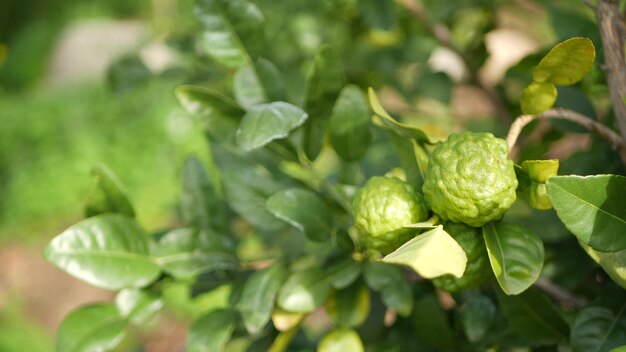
(333,225)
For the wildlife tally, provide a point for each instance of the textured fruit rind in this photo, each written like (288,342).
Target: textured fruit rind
(382,207)
(478,268)
(470,179)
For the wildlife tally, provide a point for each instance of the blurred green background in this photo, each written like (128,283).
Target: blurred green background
(59,118)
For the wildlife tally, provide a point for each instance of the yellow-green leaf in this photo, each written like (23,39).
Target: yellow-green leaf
(431,254)
(538,97)
(613,263)
(567,63)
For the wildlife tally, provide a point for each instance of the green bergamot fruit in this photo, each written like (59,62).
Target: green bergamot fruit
(470,179)
(382,207)
(477,270)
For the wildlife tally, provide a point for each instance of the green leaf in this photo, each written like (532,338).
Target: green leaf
(257,84)
(534,316)
(431,324)
(109,251)
(613,263)
(257,300)
(341,340)
(379,275)
(265,123)
(619,349)
(211,332)
(181,254)
(349,124)
(516,255)
(538,97)
(431,254)
(592,208)
(304,291)
(138,306)
(343,273)
(219,114)
(477,316)
(199,204)
(226,26)
(304,210)
(399,297)
(323,85)
(389,122)
(567,63)
(248,198)
(601,325)
(96,327)
(108,195)
(349,307)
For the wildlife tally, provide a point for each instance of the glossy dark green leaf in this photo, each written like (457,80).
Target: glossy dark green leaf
(219,114)
(248,196)
(341,340)
(534,316)
(304,291)
(259,293)
(431,254)
(477,316)
(349,307)
(230,29)
(181,254)
(538,97)
(613,263)
(389,122)
(431,325)
(349,124)
(211,332)
(592,208)
(399,297)
(97,327)
(601,325)
(516,255)
(258,83)
(138,306)
(108,195)
(324,83)
(109,251)
(567,63)
(343,273)
(304,210)
(199,203)
(265,123)
(378,275)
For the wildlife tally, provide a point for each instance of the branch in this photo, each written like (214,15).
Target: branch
(614,139)
(442,35)
(560,294)
(611,27)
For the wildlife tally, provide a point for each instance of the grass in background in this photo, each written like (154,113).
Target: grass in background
(50,140)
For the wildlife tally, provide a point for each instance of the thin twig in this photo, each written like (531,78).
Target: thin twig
(614,139)
(560,294)
(443,36)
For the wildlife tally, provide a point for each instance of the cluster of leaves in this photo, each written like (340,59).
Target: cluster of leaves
(269,217)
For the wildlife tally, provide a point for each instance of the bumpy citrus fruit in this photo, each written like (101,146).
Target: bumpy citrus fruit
(382,207)
(477,270)
(470,179)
